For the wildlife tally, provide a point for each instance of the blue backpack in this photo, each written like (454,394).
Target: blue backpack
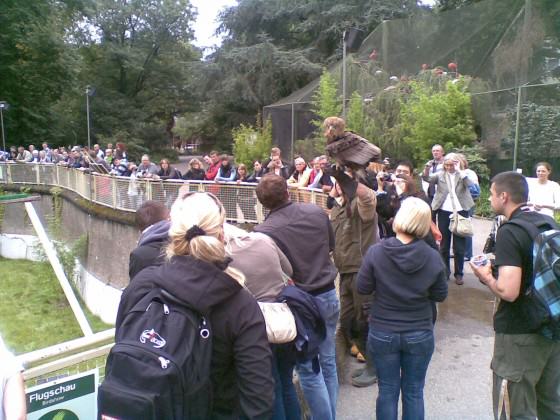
(542,296)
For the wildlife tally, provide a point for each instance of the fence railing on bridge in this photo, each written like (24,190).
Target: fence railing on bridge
(124,193)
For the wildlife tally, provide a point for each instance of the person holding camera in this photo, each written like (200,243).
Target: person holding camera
(433,167)
(146,169)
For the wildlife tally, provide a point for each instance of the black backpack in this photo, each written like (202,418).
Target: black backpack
(159,367)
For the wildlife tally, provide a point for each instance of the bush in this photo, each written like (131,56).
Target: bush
(483,207)
(252,143)
(431,116)
(170,154)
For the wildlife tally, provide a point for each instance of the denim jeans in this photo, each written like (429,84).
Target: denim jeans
(445,244)
(402,361)
(321,389)
(286,404)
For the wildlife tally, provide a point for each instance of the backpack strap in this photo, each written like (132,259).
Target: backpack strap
(533,229)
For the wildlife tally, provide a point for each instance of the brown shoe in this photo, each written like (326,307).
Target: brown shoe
(459,279)
(354,350)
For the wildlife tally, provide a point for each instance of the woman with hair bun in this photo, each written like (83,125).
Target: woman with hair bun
(544,194)
(197,272)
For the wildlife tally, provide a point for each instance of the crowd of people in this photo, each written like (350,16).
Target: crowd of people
(385,237)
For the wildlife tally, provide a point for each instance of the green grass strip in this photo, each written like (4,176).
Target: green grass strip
(35,313)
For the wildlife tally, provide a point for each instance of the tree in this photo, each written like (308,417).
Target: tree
(326,101)
(138,56)
(252,143)
(539,134)
(36,66)
(355,119)
(443,117)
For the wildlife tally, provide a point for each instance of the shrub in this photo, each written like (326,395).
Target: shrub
(252,143)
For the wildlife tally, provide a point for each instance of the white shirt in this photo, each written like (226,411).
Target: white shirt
(448,204)
(544,194)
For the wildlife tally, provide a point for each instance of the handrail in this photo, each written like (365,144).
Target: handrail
(68,347)
(127,194)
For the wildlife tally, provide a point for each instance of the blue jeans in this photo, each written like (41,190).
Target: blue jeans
(321,389)
(286,404)
(402,361)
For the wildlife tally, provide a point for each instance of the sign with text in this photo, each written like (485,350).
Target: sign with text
(70,398)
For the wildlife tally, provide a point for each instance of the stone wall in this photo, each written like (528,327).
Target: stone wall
(108,242)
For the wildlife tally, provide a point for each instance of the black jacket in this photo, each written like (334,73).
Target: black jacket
(171,173)
(195,174)
(241,370)
(150,249)
(304,234)
(406,279)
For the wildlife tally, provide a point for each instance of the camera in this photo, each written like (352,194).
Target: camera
(388,177)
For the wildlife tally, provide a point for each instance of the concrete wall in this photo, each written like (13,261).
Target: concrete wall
(102,274)
(109,243)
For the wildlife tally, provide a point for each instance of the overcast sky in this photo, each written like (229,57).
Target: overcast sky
(206,25)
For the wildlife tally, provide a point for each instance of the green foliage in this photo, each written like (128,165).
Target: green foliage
(37,65)
(383,123)
(252,143)
(476,159)
(310,148)
(483,207)
(38,314)
(430,116)
(170,154)
(326,101)
(355,117)
(539,134)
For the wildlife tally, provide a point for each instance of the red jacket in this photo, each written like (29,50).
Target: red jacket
(212,171)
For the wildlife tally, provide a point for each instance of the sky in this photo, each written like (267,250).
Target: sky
(206,24)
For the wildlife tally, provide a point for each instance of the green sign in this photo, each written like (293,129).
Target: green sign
(70,398)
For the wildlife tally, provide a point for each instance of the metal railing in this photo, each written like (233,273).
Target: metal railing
(127,194)
(68,358)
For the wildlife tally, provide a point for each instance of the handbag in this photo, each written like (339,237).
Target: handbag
(459,225)
(280,322)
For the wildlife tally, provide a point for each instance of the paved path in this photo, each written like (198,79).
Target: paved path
(458,385)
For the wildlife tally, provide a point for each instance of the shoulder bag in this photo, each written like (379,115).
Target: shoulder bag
(458,225)
(279,320)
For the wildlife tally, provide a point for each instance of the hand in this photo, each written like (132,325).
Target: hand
(457,165)
(538,207)
(484,273)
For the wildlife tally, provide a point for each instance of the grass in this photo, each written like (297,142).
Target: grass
(35,312)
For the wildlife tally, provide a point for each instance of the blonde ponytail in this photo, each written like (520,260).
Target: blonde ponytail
(204,215)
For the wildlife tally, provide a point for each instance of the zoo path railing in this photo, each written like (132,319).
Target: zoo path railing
(127,194)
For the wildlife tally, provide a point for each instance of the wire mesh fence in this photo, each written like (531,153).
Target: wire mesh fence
(123,193)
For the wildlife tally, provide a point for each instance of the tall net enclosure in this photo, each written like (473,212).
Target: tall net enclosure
(508,50)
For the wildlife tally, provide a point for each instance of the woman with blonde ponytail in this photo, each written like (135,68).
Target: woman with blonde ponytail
(197,272)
